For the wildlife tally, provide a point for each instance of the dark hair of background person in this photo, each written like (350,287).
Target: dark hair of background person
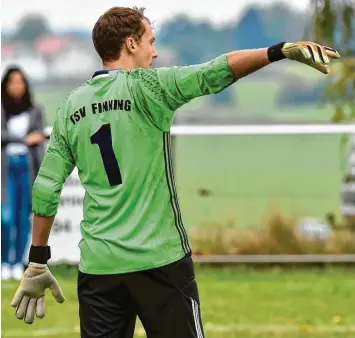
(10,105)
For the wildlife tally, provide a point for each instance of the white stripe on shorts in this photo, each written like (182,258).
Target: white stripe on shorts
(195,310)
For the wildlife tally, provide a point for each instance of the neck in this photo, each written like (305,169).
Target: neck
(122,63)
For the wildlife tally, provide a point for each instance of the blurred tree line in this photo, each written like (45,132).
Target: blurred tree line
(197,41)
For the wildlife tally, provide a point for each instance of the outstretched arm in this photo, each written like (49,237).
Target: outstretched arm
(160,92)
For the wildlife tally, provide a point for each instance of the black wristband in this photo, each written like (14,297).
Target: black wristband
(274,52)
(39,254)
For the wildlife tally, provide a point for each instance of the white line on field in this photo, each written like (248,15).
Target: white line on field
(209,327)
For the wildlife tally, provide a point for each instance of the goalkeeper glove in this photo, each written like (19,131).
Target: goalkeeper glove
(29,298)
(307,52)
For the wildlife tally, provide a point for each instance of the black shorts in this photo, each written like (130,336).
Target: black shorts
(165,299)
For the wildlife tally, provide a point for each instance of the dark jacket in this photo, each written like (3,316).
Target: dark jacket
(36,153)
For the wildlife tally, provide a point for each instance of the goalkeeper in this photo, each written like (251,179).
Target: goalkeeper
(135,252)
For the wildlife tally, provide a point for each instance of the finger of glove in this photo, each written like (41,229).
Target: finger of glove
(332,53)
(21,310)
(57,292)
(304,52)
(30,312)
(321,67)
(322,54)
(315,53)
(326,59)
(41,307)
(17,298)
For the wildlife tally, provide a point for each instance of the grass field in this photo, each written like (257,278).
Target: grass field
(236,302)
(246,175)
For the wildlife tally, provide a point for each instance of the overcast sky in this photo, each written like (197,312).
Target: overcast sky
(84,13)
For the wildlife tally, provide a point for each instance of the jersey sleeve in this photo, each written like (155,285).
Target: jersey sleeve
(57,165)
(161,91)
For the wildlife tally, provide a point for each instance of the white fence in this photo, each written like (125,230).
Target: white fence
(279,129)
(66,235)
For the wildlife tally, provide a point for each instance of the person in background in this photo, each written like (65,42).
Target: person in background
(22,151)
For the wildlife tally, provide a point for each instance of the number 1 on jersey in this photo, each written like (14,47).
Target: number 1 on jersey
(103,138)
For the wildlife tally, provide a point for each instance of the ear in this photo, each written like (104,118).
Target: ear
(131,45)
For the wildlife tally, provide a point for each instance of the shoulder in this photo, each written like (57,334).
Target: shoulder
(70,98)
(140,73)
(150,81)
(149,75)
(73,94)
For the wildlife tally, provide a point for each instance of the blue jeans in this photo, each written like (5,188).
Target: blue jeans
(15,212)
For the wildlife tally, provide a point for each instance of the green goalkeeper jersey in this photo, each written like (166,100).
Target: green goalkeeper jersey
(115,130)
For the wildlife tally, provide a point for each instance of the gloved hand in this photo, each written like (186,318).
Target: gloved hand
(311,54)
(29,297)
